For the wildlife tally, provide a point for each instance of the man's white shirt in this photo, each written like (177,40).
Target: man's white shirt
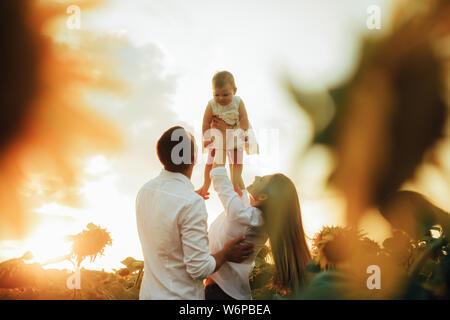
(172,225)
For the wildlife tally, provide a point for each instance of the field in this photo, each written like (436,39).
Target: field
(23,281)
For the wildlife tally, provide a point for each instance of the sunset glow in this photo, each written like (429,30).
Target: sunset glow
(149,67)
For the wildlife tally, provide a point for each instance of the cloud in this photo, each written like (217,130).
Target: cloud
(143,112)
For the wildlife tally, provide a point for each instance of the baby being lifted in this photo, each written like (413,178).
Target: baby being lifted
(230,108)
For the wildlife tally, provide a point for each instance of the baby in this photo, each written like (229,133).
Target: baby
(230,108)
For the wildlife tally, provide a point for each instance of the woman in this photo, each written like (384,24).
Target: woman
(268,209)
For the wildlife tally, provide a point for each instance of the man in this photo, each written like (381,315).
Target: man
(172,226)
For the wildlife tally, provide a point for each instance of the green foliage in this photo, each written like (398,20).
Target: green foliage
(423,268)
(133,265)
(262,279)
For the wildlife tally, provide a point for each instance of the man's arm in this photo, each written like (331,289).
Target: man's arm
(194,236)
(235,250)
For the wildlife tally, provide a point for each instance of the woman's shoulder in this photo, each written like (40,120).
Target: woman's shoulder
(257,219)
(249,216)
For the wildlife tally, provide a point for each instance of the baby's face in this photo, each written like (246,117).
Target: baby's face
(224,95)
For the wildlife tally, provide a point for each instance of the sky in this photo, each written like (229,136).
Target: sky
(165,53)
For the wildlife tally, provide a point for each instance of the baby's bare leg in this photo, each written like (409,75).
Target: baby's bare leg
(236,171)
(232,175)
(241,183)
(236,175)
(203,191)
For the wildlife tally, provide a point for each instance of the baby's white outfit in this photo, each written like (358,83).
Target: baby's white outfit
(230,114)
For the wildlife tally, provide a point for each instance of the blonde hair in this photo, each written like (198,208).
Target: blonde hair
(221,78)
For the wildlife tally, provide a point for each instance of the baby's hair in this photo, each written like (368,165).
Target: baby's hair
(221,78)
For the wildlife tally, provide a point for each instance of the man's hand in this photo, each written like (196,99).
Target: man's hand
(219,124)
(237,250)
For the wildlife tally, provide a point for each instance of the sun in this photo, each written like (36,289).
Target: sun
(48,243)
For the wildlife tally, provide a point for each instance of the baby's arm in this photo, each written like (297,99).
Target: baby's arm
(243,118)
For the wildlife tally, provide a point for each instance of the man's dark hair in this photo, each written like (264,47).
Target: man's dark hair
(176,149)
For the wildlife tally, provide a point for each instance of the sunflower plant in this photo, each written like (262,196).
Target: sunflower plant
(89,243)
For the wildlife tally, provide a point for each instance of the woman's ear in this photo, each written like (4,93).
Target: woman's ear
(262,197)
(235,89)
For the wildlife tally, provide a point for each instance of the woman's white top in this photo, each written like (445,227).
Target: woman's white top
(239,218)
